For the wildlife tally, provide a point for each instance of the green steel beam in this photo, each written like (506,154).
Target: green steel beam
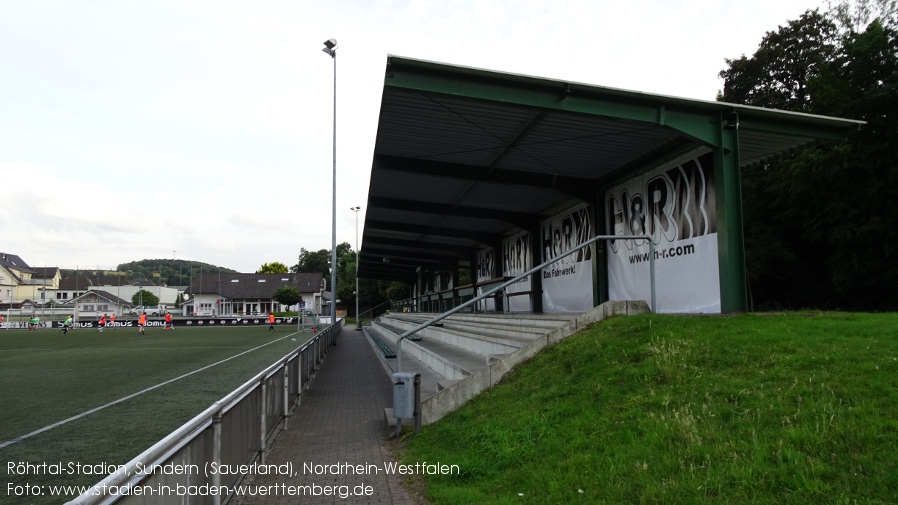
(578,187)
(519,219)
(730,237)
(413,245)
(435,231)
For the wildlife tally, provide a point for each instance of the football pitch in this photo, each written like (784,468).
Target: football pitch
(47,377)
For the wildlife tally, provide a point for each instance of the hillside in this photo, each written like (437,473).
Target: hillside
(160,271)
(786,408)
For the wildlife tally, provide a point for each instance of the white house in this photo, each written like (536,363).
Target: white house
(95,303)
(250,294)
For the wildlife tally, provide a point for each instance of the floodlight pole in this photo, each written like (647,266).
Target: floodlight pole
(330,47)
(358,322)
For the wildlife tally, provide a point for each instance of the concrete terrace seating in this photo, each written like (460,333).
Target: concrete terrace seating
(466,353)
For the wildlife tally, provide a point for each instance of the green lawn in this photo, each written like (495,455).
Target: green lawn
(46,377)
(785,408)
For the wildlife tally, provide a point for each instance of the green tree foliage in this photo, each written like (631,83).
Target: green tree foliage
(167,271)
(778,75)
(855,15)
(395,290)
(820,227)
(272,268)
(313,262)
(287,295)
(372,292)
(144,297)
(346,277)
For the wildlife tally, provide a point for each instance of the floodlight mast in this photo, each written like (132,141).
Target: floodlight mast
(330,47)
(358,321)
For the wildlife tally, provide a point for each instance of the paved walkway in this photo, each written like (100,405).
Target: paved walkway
(340,422)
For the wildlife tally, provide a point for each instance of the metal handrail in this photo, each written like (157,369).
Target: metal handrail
(359,316)
(533,270)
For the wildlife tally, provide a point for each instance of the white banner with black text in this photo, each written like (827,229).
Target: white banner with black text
(486,270)
(517,258)
(675,205)
(568,283)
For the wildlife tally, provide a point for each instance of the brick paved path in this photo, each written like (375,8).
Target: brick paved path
(340,421)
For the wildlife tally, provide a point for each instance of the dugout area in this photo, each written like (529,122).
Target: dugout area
(488,172)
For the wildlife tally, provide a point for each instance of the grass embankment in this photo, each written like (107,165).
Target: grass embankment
(795,408)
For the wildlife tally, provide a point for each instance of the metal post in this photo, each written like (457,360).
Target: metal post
(216,455)
(299,378)
(417,411)
(263,422)
(286,393)
(358,321)
(331,49)
(652,271)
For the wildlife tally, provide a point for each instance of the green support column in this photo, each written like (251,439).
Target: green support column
(419,300)
(730,236)
(536,279)
(600,258)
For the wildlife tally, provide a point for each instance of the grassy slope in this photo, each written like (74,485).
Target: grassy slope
(47,376)
(664,409)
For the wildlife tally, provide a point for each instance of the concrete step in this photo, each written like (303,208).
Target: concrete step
(521,334)
(448,360)
(523,322)
(481,344)
(410,364)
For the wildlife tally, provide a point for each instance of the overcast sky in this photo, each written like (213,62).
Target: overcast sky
(201,130)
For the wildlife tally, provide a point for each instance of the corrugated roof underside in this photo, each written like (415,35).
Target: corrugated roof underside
(582,146)
(758,147)
(457,132)
(400,217)
(418,186)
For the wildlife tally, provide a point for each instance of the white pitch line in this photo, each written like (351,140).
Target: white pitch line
(92,349)
(125,398)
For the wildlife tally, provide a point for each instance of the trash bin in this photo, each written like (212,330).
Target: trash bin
(403,395)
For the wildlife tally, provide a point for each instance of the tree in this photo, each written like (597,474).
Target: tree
(346,261)
(287,295)
(778,75)
(313,262)
(272,268)
(145,298)
(818,229)
(395,290)
(853,15)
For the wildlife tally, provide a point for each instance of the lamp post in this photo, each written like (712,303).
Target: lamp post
(330,47)
(358,321)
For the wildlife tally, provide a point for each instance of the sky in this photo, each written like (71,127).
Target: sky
(203,130)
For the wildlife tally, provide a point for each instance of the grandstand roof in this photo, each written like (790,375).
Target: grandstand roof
(463,155)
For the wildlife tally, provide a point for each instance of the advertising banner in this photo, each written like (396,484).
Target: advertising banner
(517,256)
(675,205)
(568,283)
(486,270)
(158,322)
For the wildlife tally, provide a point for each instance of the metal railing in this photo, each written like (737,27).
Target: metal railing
(232,434)
(533,270)
(372,310)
